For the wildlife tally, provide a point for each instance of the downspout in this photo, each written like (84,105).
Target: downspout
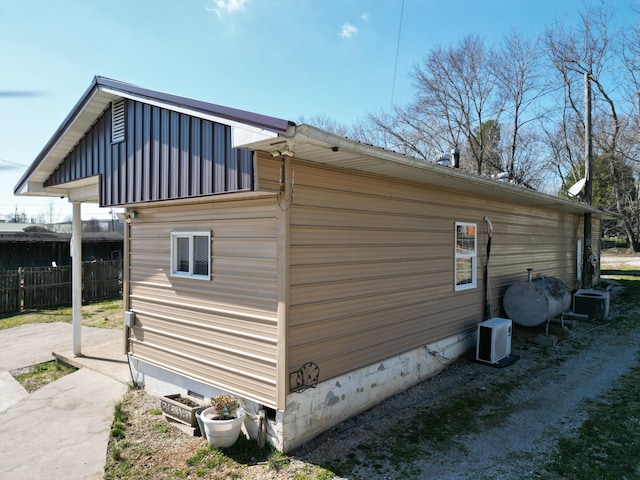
(488,308)
(283,232)
(76,279)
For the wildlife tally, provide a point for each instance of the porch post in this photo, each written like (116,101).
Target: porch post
(76,279)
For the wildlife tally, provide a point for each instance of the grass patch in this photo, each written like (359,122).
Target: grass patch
(606,446)
(119,413)
(427,429)
(160,427)
(37,376)
(103,314)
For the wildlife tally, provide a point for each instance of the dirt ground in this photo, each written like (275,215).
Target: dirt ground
(547,387)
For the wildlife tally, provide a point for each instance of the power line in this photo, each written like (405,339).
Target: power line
(13,163)
(395,68)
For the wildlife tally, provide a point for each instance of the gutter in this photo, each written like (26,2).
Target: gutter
(315,136)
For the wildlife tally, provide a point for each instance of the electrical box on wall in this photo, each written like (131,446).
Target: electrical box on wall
(494,340)
(129,318)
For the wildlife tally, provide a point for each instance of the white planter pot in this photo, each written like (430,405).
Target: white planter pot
(222,433)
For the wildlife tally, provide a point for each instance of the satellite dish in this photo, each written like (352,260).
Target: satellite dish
(576,188)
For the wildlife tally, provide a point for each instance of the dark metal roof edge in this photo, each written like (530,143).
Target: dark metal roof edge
(276,125)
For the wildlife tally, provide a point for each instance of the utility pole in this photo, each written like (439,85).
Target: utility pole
(587,267)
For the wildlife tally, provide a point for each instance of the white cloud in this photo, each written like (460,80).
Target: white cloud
(365,17)
(227,6)
(348,30)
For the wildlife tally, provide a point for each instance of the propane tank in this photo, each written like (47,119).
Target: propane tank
(532,302)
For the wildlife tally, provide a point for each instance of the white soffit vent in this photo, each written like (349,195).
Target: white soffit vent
(117,120)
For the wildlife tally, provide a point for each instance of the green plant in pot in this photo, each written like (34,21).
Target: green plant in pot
(223,420)
(225,406)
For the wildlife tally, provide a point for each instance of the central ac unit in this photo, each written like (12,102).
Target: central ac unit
(494,340)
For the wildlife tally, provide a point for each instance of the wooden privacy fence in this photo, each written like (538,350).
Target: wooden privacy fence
(10,292)
(43,287)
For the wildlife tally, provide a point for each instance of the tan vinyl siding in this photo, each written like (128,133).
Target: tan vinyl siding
(221,331)
(371,263)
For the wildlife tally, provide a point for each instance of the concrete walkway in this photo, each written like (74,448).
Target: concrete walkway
(62,429)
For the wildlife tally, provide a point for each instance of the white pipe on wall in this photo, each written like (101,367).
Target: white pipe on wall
(76,279)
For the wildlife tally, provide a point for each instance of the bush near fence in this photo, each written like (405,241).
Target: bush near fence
(32,288)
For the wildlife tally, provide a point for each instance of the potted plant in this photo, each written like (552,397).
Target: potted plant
(223,420)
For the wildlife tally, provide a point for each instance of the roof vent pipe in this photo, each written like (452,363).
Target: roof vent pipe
(455,158)
(529,274)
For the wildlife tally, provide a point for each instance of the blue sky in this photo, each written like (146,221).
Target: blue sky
(284,58)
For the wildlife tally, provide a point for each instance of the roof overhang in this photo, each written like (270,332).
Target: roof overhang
(263,133)
(310,143)
(246,127)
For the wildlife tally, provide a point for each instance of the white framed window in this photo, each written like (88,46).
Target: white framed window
(466,250)
(191,254)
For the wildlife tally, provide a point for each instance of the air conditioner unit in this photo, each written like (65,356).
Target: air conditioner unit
(494,340)
(594,303)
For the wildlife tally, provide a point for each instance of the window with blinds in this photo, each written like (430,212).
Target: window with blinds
(191,254)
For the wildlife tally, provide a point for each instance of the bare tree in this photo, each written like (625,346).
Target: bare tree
(47,218)
(522,86)
(591,49)
(325,123)
(462,94)
(457,93)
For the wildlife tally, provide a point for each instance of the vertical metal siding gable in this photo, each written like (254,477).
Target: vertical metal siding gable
(148,165)
(155,155)
(121,160)
(174,154)
(207,156)
(165,166)
(196,158)
(138,167)
(107,179)
(218,158)
(164,155)
(185,171)
(131,153)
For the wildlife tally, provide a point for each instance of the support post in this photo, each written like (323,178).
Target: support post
(587,272)
(76,279)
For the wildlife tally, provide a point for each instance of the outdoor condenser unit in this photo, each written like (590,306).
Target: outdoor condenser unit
(494,340)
